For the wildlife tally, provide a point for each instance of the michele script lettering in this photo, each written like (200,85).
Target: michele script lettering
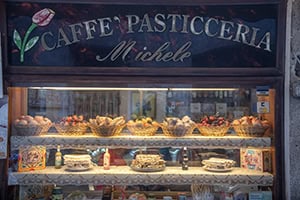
(195,26)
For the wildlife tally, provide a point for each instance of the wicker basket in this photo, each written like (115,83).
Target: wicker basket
(174,131)
(30,130)
(249,130)
(78,129)
(142,131)
(213,130)
(106,131)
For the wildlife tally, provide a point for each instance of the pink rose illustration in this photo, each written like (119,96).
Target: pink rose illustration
(41,18)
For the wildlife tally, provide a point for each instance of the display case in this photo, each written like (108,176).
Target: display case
(162,136)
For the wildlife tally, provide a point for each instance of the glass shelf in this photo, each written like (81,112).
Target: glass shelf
(129,141)
(124,175)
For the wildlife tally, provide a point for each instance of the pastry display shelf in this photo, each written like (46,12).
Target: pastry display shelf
(124,175)
(129,141)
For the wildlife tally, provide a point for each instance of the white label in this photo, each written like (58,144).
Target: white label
(255,196)
(221,108)
(58,160)
(195,107)
(263,107)
(209,108)
(238,114)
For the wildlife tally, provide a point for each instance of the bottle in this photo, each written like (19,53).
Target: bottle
(151,196)
(182,197)
(185,159)
(107,192)
(195,106)
(58,158)
(57,193)
(106,160)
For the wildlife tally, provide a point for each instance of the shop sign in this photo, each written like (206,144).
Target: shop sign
(48,34)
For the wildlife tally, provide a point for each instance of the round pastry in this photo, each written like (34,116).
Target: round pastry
(250,126)
(106,126)
(213,125)
(173,126)
(143,126)
(73,125)
(31,126)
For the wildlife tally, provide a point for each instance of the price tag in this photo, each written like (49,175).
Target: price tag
(263,107)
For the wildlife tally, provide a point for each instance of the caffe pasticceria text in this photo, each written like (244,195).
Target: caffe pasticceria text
(197,26)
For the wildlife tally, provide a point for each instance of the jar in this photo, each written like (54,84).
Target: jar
(57,194)
(167,198)
(182,197)
(151,197)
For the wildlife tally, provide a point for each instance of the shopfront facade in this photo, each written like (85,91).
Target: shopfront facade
(155,45)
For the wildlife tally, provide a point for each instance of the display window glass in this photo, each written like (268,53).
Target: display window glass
(144,140)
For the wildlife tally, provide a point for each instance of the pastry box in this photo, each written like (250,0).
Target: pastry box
(256,159)
(31,158)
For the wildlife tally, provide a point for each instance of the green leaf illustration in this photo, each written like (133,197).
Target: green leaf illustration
(17,39)
(31,43)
